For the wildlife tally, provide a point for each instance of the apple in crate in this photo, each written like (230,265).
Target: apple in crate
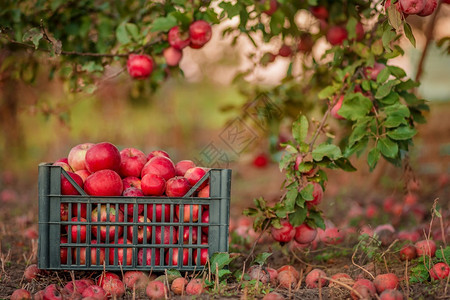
(182,166)
(187,212)
(157,153)
(121,252)
(177,186)
(167,238)
(161,166)
(158,212)
(102,156)
(132,192)
(77,156)
(104,183)
(131,162)
(203,255)
(148,258)
(140,230)
(114,216)
(94,257)
(67,188)
(187,233)
(131,182)
(174,261)
(193,175)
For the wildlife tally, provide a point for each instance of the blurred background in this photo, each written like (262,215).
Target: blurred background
(42,121)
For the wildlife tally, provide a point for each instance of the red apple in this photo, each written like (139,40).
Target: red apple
(76,157)
(177,186)
(320,12)
(273,6)
(284,234)
(67,188)
(187,235)
(104,183)
(172,56)
(317,195)
(83,174)
(372,72)
(132,192)
(75,286)
(102,156)
(193,175)
(261,160)
(168,238)
(411,7)
(81,212)
(148,259)
(64,211)
(388,281)
(179,286)
(287,280)
(39,295)
(426,247)
(187,212)
(21,294)
(75,229)
(203,256)
(95,260)
(204,192)
(153,185)
(359,31)
(200,33)
(31,272)
(298,161)
(289,269)
(137,280)
(139,66)
(114,216)
(314,279)
(131,182)
(205,219)
(305,44)
(336,35)
(365,288)
(63,250)
(336,107)
(114,288)
(106,276)
(159,165)
(141,230)
(63,165)
(408,252)
(157,153)
(158,212)
(440,271)
(52,292)
(131,162)
(182,166)
(121,253)
(175,257)
(391,295)
(285,51)
(177,39)
(155,290)
(304,234)
(94,292)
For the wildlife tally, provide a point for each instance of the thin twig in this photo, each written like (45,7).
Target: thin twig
(358,266)
(256,242)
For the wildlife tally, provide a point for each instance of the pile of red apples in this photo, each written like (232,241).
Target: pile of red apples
(102,170)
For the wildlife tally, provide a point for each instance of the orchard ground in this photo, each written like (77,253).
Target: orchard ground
(360,194)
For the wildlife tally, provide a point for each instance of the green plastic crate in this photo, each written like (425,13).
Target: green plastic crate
(52,228)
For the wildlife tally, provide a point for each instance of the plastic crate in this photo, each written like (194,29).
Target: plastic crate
(89,255)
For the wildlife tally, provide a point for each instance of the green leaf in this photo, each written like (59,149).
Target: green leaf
(328,91)
(419,273)
(351,27)
(173,272)
(298,217)
(223,272)
(355,106)
(326,150)
(230,9)
(373,157)
(307,192)
(396,71)
(250,212)
(402,133)
(443,256)
(397,109)
(394,17)
(291,195)
(387,147)
(317,219)
(300,129)
(394,121)
(277,22)
(409,34)
(345,164)
(133,30)
(33,35)
(387,37)
(407,85)
(122,34)
(91,66)
(221,259)
(385,89)
(163,23)
(390,99)
(383,75)
(261,258)
(357,134)
(285,161)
